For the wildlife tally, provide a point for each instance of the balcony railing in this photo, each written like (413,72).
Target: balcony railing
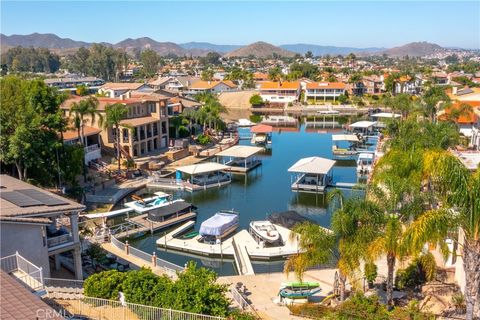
(59,240)
(92,148)
(23,270)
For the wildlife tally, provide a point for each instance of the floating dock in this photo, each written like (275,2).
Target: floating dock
(249,246)
(144,225)
(242,259)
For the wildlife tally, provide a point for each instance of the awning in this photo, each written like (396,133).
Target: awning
(203,168)
(385,115)
(345,137)
(240,152)
(261,128)
(362,124)
(313,165)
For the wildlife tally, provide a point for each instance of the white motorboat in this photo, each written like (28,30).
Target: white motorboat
(245,123)
(265,230)
(365,163)
(143,205)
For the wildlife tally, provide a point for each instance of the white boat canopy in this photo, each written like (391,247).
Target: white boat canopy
(200,168)
(363,124)
(345,137)
(365,155)
(313,165)
(386,115)
(240,151)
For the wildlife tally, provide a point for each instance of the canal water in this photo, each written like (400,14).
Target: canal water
(262,191)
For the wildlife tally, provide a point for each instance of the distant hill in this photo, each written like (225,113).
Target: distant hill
(413,49)
(162,48)
(318,50)
(260,50)
(206,46)
(46,40)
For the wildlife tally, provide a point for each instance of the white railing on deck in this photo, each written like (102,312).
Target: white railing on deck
(91,148)
(26,272)
(56,241)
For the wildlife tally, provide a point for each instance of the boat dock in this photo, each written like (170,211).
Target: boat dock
(142,224)
(249,246)
(242,259)
(108,214)
(346,185)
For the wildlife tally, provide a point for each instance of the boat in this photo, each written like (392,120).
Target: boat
(265,230)
(298,290)
(160,207)
(261,134)
(364,163)
(219,226)
(245,123)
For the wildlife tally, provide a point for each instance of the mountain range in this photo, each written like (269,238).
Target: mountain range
(258,49)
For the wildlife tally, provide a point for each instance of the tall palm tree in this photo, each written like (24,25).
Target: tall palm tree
(458,191)
(115,113)
(86,107)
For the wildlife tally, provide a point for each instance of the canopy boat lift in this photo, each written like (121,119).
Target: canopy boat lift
(365,163)
(240,159)
(340,151)
(204,175)
(261,134)
(312,174)
(365,128)
(384,115)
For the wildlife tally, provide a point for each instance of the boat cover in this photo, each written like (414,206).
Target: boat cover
(218,224)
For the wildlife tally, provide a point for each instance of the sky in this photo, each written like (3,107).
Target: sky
(340,23)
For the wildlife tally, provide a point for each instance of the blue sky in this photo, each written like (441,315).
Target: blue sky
(340,23)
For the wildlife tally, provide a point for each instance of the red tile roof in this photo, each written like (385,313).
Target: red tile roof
(73,133)
(280,85)
(326,85)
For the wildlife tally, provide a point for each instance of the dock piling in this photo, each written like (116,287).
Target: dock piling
(127,247)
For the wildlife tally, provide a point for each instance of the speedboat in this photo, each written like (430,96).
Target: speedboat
(220,225)
(245,123)
(265,230)
(142,205)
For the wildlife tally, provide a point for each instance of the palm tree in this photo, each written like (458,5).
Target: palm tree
(458,191)
(86,107)
(115,113)
(434,99)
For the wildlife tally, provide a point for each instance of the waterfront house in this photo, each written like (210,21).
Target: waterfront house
(144,130)
(323,91)
(201,86)
(39,225)
(373,84)
(280,92)
(172,83)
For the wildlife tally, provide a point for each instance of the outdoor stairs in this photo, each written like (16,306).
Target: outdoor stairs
(242,259)
(64,293)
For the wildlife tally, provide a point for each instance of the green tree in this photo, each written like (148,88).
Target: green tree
(275,74)
(114,114)
(458,190)
(104,285)
(309,55)
(150,61)
(207,75)
(434,100)
(256,100)
(80,110)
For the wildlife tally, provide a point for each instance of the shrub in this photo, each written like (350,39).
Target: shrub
(255,118)
(361,307)
(256,100)
(138,286)
(104,285)
(410,312)
(203,139)
(183,132)
(370,272)
(342,99)
(421,270)
(458,300)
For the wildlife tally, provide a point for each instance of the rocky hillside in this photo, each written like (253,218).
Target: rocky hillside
(260,50)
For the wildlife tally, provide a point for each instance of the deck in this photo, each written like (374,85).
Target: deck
(145,225)
(242,259)
(252,248)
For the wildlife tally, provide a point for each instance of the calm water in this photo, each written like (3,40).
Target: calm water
(261,192)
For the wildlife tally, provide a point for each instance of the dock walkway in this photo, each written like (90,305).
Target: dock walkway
(145,225)
(242,259)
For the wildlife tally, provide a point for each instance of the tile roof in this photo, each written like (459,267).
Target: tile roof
(139,121)
(200,84)
(280,85)
(72,134)
(466,118)
(45,221)
(326,85)
(9,209)
(122,85)
(18,303)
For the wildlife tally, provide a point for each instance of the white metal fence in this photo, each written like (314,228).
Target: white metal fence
(26,272)
(101,309)
(244,304)
(169,267)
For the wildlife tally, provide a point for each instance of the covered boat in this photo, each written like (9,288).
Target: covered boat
(265,230)
(220,225)
(365,163)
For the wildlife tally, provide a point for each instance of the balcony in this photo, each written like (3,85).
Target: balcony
(92,152)
(24,271)
(59,239)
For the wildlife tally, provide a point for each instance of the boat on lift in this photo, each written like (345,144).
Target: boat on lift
(265,230)
(219,226)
